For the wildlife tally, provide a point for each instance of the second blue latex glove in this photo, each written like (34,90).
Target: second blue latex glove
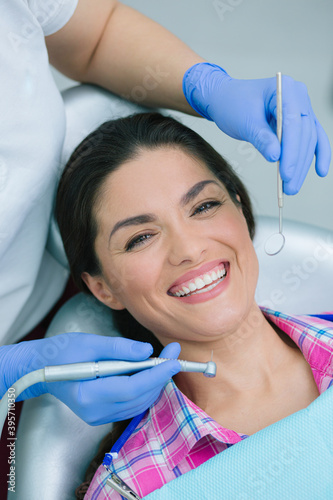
(97,401)
(246,110)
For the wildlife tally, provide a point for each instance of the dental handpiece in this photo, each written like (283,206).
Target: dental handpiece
(91,370)
(96,369)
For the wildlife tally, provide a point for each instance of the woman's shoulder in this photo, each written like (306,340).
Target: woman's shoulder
(306,325)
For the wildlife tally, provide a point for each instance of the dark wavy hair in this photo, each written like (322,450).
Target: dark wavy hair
(104,151)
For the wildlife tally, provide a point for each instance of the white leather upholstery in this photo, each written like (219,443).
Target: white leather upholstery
(54,446)
(300,278)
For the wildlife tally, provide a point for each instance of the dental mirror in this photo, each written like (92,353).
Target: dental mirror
(274,244)
(276,241)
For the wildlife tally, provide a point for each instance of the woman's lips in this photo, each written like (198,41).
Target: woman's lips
(202,280)
(207,293)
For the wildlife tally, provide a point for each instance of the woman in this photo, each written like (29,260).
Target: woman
(161,227)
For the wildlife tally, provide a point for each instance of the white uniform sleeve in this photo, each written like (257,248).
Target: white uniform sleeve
(52,15)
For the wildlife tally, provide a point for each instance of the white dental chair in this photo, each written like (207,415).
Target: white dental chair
(54,446)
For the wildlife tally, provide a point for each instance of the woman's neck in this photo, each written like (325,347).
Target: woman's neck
(250,362)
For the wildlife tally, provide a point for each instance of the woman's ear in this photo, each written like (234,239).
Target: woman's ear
(239,206)
(101,291)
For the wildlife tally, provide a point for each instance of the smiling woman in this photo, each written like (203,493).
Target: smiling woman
(161,230)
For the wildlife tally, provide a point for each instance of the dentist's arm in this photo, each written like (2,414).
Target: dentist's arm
(95,401)
(114,46)
(117,47)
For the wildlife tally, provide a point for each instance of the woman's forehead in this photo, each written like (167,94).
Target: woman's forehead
(161,169)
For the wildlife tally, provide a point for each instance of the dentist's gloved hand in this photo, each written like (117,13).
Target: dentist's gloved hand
(95,401)
(246,110)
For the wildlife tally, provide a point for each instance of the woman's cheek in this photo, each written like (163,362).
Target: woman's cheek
(120,275)
(136,275)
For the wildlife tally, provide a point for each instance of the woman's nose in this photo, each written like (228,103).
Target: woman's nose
(185,246)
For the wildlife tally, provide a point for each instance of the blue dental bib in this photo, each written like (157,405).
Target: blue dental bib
(291,459)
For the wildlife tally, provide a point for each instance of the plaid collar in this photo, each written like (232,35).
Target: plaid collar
(310,334)
(176,418)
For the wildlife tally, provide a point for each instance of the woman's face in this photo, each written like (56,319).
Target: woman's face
(174,249)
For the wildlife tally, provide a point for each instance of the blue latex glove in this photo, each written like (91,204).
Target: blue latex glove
(246,110)
(95,401)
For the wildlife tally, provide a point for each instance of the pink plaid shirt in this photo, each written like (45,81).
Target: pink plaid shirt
(176,435)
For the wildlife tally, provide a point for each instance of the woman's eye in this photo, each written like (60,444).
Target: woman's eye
(137,241)
(206,206)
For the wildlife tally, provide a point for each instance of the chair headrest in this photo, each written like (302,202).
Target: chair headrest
(86,108)
(298,280)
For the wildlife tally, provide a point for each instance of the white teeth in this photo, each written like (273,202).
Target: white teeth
(207,279)
(196,286)
(208,287)
(199,283)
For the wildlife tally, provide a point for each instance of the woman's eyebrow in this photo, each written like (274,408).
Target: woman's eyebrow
(133,221)
(195,190)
